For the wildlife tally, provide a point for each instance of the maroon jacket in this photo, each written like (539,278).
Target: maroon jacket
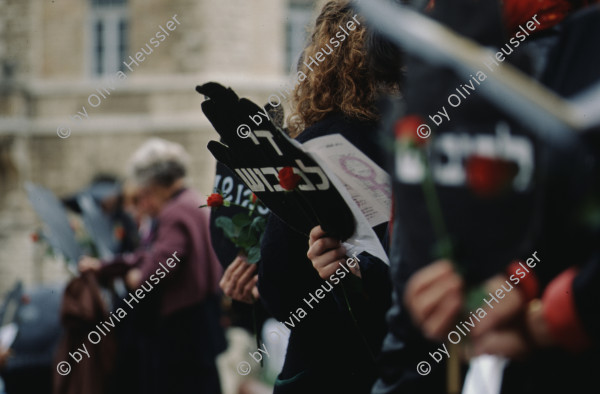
(81,310)
(181,261)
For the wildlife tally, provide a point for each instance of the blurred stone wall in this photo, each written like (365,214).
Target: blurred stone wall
(45,79)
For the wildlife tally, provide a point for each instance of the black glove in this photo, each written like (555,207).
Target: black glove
(256,153)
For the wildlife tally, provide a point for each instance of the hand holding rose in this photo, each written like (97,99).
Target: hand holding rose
(239,281)
(434,298)
(326,253)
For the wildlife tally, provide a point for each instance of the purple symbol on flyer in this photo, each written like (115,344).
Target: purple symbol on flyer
(363,171)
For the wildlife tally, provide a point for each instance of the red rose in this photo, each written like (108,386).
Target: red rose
(215,200)
(430,6)
(406,128)
(528,284)
(549,13)
(287,179)
(25,299)
(119,233)
(253,199)
(488,176)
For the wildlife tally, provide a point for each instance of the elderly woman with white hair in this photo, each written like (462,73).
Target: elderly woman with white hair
(179,273)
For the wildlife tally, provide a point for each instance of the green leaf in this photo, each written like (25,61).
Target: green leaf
(474,299)
(258,224)
(442,249)
(241,219)
(247,238)
(254,254)
(225,223)
(590,215)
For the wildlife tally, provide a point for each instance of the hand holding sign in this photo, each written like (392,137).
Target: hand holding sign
(257,160)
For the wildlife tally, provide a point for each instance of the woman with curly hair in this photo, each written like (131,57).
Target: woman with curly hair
(345,81)
(336,329)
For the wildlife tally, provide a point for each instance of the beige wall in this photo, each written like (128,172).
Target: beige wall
(239,43)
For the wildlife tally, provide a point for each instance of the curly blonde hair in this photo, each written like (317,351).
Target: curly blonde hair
(342,82)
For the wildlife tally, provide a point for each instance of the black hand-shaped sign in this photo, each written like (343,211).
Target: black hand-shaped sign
(257,153)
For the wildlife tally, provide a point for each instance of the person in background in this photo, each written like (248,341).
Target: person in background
(4,355)
(247,315)
(332,346)
(107,193)
(108,196)
(543,316)
(185,336)
(244,314)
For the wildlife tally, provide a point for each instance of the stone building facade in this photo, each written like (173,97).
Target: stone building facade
(59,75)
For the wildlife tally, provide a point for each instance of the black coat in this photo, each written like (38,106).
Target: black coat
(326,353)
(489,233)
